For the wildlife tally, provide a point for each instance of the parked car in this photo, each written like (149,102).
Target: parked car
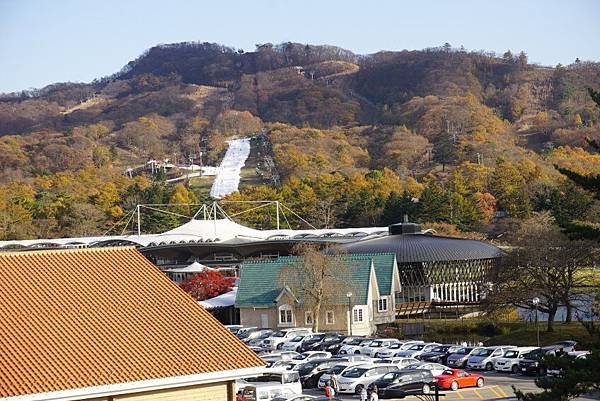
(335,347)
(460,357)
(399,361)
(402,383)
(439,353)
(359,377)
(453,379)
(244,331)
(294,343)
(284,364)
(273,357)
(279,379)
(314,342)
(339,368)
(234,328)
(258,340)
(310,355)
(509,362)
(434,368)
(376,345)
(532,363)
(393,349)
(354,346)
(276,340)
(254,334)
(310,372)
(301,397)
(572,355)
(417,349)
(330,342)
(485,357)
(266,391)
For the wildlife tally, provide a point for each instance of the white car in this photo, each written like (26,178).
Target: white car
(310,355)
(417,349)
(436,369)
(573,355)
(509,362)
(289,380)
(485,357)
(271,358)
(399,361)
(354,346)
(338,369)
(376,345)
(294,344)
(358,377)
(281,336)
(393,349)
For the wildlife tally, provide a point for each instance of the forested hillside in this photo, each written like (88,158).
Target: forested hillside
(462,140)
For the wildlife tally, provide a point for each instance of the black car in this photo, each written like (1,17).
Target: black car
(310,372)
(314,341)
(439,354)
(533,362)
(413,382)
(330,341)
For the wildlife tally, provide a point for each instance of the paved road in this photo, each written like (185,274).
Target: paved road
(498,386)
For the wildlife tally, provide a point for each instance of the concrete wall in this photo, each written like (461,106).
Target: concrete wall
(207,392)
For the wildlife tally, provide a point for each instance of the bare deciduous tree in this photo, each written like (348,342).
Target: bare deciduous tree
(546,264)
(317,278)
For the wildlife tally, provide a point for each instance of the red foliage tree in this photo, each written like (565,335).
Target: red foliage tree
(207,284)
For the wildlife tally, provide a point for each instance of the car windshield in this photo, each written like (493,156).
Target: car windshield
(395,346)
(296,339)
(417,347)
(354,372)
(306,366)
(511,354)
(463,351)
(366,342)
(263,336)
(533,354)
(375,343)
(483,352)
(337,369)
(357,341)
(413,365)
(389,376)
(437,349)
(300,357)
(428,348)
(279,334)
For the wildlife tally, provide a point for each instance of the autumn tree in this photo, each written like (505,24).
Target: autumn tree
(543,263)
(207,284)
(317,279)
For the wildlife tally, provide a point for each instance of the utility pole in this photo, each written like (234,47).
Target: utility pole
(139,227)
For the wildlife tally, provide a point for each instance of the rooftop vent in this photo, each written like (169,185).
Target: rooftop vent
(404,228)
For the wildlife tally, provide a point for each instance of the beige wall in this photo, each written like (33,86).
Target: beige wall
(206,392)
(252,317)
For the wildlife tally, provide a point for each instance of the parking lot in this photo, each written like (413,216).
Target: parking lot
(497,386)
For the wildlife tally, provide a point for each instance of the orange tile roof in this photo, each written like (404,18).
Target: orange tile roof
(89,317)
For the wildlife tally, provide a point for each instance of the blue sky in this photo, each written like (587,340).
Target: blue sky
(42,42)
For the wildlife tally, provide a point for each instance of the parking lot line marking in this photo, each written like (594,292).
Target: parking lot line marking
(459,395)
(493,390)
(477,394)
(502,392)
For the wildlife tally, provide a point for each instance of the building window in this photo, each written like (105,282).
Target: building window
(286,314)
(308,318)
(358,315)
(329,317)
(382,305)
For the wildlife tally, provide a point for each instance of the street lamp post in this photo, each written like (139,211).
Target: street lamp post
(349,296)
(535,301)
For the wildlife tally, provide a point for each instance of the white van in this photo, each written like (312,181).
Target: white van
(359,377)
(281,336)
(509,362)
(266,391)
(272,379)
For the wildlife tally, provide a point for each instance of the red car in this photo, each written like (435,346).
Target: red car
(453,379)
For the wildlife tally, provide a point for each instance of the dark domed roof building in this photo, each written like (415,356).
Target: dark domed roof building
(434,268)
